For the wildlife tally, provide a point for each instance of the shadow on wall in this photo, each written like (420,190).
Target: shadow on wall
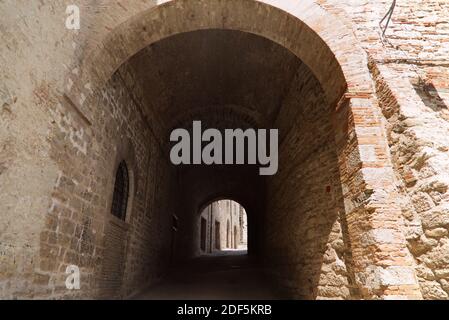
(311,257)
(430,96)
(306,243)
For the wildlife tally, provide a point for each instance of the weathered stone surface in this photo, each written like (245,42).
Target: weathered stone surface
(433,290)
(437,233)
(435,218)
(360,203)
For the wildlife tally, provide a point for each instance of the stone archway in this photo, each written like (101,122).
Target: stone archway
(382,266)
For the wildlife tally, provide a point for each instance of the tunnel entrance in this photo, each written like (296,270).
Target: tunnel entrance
(214,238)
(232,79)
(325,225)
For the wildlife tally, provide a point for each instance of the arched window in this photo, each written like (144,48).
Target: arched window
(121,189)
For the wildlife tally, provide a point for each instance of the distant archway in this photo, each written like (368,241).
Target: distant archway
(223,227)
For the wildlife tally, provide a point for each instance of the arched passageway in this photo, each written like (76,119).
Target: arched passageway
(299,229)
(221,268)
(223,226)
(324,226)
(294,217)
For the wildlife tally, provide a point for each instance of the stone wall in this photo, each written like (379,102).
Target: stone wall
(31,79)
(409,67)
(59,154)
(68,165)
(418,137)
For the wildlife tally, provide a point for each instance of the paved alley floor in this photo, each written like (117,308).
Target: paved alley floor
(226,275)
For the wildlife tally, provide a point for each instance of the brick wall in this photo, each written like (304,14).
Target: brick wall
(59,155)
(309,258)
(410,70)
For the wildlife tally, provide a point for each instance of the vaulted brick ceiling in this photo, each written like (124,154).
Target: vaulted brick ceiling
(230,78)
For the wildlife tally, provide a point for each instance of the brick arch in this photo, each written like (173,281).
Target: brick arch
(315,36)
(382,265)
(247,204)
